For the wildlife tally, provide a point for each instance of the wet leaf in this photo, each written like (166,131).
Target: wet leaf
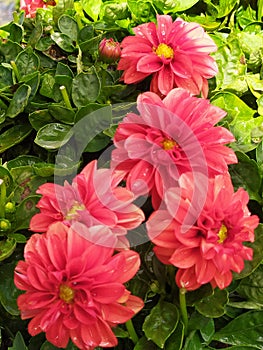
(53,136)
(213,305)
(19,101)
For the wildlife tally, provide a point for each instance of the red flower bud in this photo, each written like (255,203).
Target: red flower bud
(109,50)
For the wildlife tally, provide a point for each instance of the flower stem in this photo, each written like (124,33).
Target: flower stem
(65,97)
(14,66)
(183,308)
(2,198)
(132,332)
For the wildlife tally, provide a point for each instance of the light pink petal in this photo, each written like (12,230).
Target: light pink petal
(164,23)
(182,66)
(165,80)
(148,32)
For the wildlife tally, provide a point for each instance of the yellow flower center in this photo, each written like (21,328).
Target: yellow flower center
(66,293)
(169,144)
(222,234)
(73,211)
(164,50)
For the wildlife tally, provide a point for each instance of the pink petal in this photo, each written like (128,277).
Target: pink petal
(148,32)
(108,293)
(164,23)
(149,63)
(116,313)
(165,80)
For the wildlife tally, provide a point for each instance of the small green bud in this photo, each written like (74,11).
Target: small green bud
(5,225)
(10,208)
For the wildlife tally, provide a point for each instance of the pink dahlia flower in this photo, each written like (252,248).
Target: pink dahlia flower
(94,198)
(31,6)
(170,137)
(74,289)
(176,54)
(209,250)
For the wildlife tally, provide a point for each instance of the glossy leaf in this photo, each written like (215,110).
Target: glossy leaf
(64,41)
(244,330)
(62,114)
(27,62)
(52,136)
(40,118)
(251,287)
(8,291)
(161,323)
(144,344)
(85,88)
(5,77)
(92,8)
(193,342)
(174,6)
(19,101)
(175,341)
(67,25)
(213,305)
(7,248)
(13,136)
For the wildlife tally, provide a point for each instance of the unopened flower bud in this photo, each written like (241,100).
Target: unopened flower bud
(10,208)
(109,50)
(5,225)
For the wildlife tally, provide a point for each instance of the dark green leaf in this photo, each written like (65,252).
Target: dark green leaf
(18,237)
(161,322)
(251,287)
(9,50)
(244,330)
(213,305)
(48,81)
(63,41)
(44,169)
(33,82)
(67,25)
(13,136)
(257,247)
(36,34)
(19,101)
(7,248)
(8,179)
(27,62)
(52,136)
(5,77)
(63,69)
(99,142)
(25,210)
(175,341)
(246,174)
(85,88)
(62,114)
(193,342)
(86,33)
(8,291)
(61,8)
(40,118)
(19,343)
(144,344)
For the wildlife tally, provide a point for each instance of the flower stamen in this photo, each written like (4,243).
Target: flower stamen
(66,293)
(169,144)
(164,50)
(222,234)
(73,211)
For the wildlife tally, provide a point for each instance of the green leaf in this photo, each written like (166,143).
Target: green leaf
(33,81)
(193,342)
(5,77)
(213,305)
(175,341)
(246,174)
(8,179)
(53,136)
(62,114)
(8,291)
(25,210)
(244,330)
(222,8)
(47,85)
(114,10)
(257,247)
(161,322)
(19,101)
(85,88)
(142,10)
(9,50)
(44,169)
(61,8)
(204,324)
(99,142)
(251,287)
(67,25)
(64,41)
(27,62)
(16,33)
(167,6)
(18,237)
(144,344)
(36,34)
(7,248)
(92,8)
(40,118)
(13,136)
(19,343)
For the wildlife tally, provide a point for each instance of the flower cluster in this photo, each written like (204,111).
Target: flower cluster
(172,150)
(30,6)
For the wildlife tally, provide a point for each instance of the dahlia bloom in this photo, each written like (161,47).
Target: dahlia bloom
(31,6)
(176,54)
(170,137)
(94,198)
(74,288)
(209,250)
